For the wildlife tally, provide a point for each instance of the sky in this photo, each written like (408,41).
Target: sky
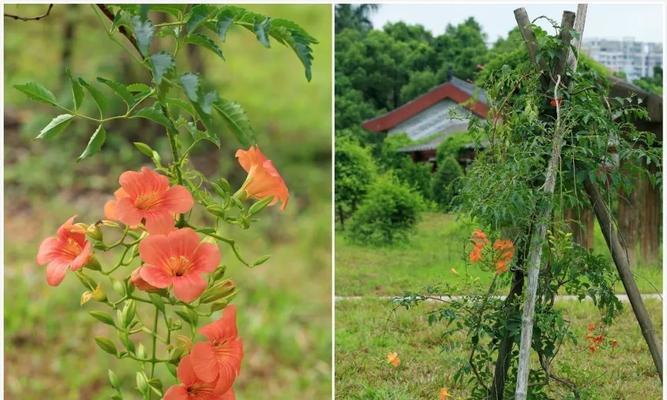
(644,22)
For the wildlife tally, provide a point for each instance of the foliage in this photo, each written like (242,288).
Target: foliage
(183,104)
(452,145)
(446,183)
(354,16)
(387,215)
(651,84)
(418,83)
(389,159)
(354,173)
(502,193)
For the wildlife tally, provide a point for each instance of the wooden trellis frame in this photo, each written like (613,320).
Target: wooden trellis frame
(570,22)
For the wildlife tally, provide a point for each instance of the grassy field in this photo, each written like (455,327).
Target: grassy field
(284,305)
(427,259)
(367,330)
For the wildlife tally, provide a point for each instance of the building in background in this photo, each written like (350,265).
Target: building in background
(635,59)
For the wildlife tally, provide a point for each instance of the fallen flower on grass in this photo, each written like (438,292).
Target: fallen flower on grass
(444,394)
(392,358)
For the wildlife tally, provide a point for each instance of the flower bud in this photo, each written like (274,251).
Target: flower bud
(110,223)
(85,297)
(79,227)
(98,294)
(93,264)
(94,232)
(221,290)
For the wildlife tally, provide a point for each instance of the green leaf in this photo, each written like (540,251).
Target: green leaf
(237,120)
(77,91)
(106,345)
(206,42)
(99,97)
(95,143)
(173,9)
(120,90)
(138,88)
(260,205)
(143,32)
(261,260)
(198,15)
(161,63)
(37,92)
(57,125)
(292,35)
(261,30)
(102,317)
(157,300)
(222,25)
(156,115)
(190,84)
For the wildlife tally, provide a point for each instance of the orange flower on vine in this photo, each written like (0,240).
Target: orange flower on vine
(505,251)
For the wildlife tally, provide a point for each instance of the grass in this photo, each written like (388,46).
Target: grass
(367,330)
(436,247)
(284,305)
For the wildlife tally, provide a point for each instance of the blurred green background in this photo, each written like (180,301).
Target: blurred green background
(284,305)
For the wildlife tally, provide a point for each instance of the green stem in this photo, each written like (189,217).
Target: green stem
(154,351)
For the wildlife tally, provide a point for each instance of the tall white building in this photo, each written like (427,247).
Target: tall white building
(635,59)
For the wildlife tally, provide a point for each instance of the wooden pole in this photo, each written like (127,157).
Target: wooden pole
(619,255)
(544,210)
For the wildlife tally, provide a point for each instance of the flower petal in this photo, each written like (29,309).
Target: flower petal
(55,272)
(224,328)
(206,257)
(155,250)
(160,223)
(155,276)
(186,375)
(46,249)
(83,257)
(145,181)
(188,287)
(176,392)
(126,212)
(178,199)
(204,362)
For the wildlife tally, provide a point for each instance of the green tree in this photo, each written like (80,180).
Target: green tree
(420,82)
(446,183)
(652,84)
(387,215)
(354,16)
(354,172)
(461,48)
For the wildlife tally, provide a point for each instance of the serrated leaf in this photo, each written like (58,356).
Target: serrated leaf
(181,104)
(198,15)
(95,143)
(77,91)
(262,30)
(102,317)
(237,121)
(57,125)
(208,100)
(173,9)
(143,32)
(161,63)
(106,345)
(190,84)
(99,97)
(292,35)
(37,92)
(205,42)
(120,90)
(154,114)
(222,25)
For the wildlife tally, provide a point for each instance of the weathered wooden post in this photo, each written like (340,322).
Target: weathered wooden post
(545,205)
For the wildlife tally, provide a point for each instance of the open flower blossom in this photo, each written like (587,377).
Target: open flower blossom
(218,359)
(178,259)
(392,358)
(444,394)
(479,240)
(193,388)
(69,249)
(505,251)
(263,179)
(146,196)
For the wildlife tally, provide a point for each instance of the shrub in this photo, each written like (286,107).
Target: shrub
(415,175)
(452,145)
(387,214)
(355,171)
(447,183)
